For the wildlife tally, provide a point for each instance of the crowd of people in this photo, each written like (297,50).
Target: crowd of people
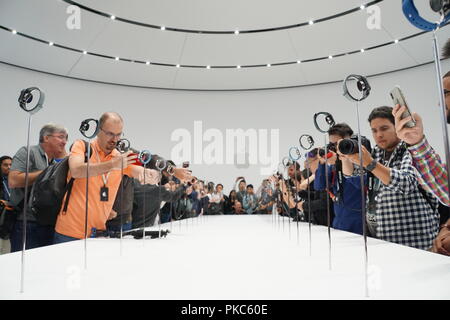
(406,197)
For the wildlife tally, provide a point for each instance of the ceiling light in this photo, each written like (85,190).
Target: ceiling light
(163,28)
(84,52)
(330,57)
(178,65)
(311,22)
(269,65)
(208,67)
(116,58)
(50,44)
(113,17)
(362,50)
(236,32)
(396,41)
(238,67)
(147,62)
(362,7)
(14,32)
(298,61)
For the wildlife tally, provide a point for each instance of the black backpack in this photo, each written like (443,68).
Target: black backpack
(48,191)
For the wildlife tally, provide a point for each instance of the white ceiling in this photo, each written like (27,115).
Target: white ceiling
(46,20)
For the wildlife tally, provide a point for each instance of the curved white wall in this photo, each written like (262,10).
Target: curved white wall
(152,116)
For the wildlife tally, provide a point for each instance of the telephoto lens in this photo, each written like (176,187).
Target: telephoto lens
(348,146)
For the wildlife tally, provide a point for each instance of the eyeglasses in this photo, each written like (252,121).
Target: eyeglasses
(112,135)
(61,137)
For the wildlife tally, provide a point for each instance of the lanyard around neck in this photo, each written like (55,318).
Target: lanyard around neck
(105,178)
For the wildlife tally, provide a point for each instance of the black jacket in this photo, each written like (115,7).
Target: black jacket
(154,195)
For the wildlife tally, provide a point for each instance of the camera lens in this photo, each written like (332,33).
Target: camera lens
(348,146)
(321,152)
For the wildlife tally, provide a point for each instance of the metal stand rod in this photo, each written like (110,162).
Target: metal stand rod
(25,205)
(87,203)
(159,203)
(309,208)
(295,201)
(143,211)
(437,64)
(328,202)
(363,206)
(121,207)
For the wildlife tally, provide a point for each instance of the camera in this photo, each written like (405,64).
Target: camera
(350,146)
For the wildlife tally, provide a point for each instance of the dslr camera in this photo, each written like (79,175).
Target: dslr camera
(350,146)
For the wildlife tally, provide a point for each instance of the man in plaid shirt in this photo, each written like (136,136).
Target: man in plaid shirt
(403,212)
(433,174)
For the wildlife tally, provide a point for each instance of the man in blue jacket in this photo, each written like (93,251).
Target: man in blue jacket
(345,187)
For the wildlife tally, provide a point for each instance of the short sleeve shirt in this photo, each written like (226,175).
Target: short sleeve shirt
(38,161)
(72,222)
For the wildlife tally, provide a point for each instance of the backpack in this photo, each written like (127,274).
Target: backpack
(48,191)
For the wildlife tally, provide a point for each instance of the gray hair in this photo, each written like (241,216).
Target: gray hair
(50,129)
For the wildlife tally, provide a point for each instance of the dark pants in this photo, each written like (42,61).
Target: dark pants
(115,229)
(60,238)
(37,236)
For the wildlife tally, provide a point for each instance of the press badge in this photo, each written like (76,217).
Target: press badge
(104,193)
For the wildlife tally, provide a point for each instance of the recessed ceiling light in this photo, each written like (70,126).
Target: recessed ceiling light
(362,50)
(269,65)
(330,57)
(50,43)
(113,17)
(311,22)
(147,62)
(362,7)
(396,41)
(116,58)
(163,28)
(208,67)
(178,65)
(298,61)
(236,32)
(14,32)
(238,67)
(84,52)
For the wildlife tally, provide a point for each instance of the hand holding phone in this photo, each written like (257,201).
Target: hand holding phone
(398,98)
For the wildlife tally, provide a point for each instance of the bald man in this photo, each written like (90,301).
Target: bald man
(104,180)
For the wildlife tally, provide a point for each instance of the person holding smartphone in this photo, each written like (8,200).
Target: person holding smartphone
(433,174)
(404,213)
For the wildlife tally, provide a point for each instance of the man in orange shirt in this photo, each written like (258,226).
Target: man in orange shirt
(104,180)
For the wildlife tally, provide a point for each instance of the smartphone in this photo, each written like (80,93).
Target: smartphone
(398,98)
(186,164)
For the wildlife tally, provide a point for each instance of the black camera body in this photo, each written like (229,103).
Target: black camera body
(330,147)
(350,146)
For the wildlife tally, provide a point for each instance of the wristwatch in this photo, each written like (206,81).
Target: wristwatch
(372,165)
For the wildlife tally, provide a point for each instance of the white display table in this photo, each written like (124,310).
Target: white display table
(227,257)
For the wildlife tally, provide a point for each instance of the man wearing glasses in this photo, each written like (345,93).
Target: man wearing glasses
(104,180)
(433,174)
(52,143)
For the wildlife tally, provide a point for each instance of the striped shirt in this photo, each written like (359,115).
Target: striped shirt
(403,214)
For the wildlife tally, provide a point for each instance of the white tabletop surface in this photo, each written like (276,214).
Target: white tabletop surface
(227,257)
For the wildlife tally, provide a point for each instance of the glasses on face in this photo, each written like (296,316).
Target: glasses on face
(60,137)
(112,135)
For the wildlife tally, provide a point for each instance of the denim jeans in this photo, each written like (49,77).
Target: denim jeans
(37,236)
(60,238)
(125,227)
